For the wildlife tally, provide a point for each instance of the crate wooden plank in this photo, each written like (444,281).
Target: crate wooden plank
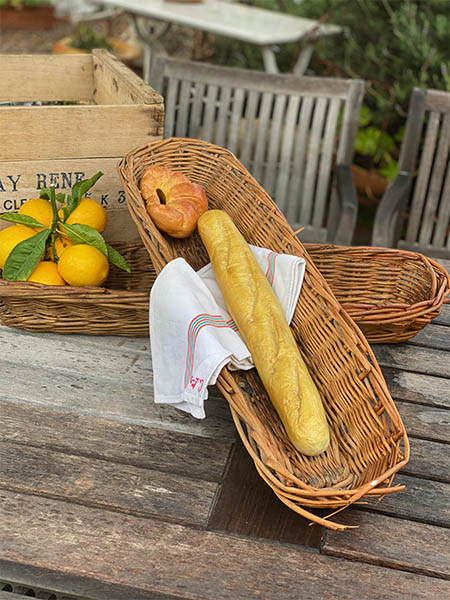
(426,422)
(416,387)
(112,441)
(46,78)
(423,500)
(102,483)
(77,131)
(21,180)
(114,83)
(430,460)
(111,555)
(261,514)
(419,360)
(390,542)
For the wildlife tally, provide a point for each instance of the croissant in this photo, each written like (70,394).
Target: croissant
(173,202)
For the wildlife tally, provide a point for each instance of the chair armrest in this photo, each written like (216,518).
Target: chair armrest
(349,206)
(386,226)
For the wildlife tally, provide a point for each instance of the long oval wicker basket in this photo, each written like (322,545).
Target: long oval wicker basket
(391,294)
(368,439)
(120,307)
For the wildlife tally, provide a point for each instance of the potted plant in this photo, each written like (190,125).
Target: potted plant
(84,39)
(26,14)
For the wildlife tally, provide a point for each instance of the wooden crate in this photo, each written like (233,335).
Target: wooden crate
(92,110)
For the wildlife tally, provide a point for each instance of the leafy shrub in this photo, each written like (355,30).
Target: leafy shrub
(394,45)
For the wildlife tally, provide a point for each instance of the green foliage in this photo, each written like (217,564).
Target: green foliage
(393,45)
(25,3)
(86,38)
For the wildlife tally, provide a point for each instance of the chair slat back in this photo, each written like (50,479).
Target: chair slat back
(281,127)
(427,157)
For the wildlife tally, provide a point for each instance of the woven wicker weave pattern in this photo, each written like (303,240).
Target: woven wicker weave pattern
(118,308)
(391,294)
(368,440)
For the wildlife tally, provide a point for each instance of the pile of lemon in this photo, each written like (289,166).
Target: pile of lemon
(76,264)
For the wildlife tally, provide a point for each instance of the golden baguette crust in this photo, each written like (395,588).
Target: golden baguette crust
(261,321)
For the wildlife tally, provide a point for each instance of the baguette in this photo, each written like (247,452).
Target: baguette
(261,322)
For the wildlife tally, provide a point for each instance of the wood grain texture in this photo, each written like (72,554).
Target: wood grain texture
(444,316)
(419,360)
(170,560)
(423,500)
(432,336)
(391,542)
(246,505)
(46,78)
(58,371)
(31,175)
(77,131)
(115,83)
(429,423)
(113,441)
(127,402)
(429,460)
(418,388)
(99,483)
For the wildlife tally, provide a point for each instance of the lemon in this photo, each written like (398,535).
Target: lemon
(89,212)
(46,272)
(61,244)
(10,237)
(83,265)
(38,208)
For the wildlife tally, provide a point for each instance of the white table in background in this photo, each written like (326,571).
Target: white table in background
(250,24)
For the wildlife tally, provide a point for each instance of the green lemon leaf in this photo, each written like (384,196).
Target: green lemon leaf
(46,194)
(117,259)
(78,191)
(25,256)
(21,219)
(84,234)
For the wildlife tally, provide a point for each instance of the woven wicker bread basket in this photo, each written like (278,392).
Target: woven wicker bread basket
(368,440)
(120,307)
(391,294)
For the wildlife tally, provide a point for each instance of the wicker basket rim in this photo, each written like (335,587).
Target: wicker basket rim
(355,343)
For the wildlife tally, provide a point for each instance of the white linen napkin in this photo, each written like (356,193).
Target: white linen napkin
(192,335)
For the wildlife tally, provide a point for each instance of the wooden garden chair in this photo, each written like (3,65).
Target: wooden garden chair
(295,135)
(414,213)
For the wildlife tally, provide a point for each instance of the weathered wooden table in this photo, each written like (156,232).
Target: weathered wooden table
(104,495)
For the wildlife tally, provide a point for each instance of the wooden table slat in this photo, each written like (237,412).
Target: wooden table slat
(432,336)
(444,317)
(126,401)
(164,559)
(423,500)
(428,361)
(114,441)
(113,486)
(428,460)
(417,387)
(426,422)
(392,542)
